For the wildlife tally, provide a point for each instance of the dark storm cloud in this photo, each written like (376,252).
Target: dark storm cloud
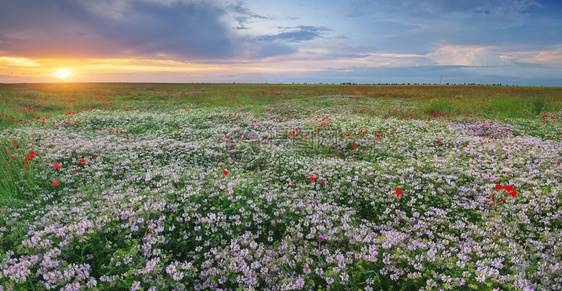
(189,29)
(297,34)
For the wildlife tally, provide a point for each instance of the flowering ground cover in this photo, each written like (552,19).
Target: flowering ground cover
(270,187)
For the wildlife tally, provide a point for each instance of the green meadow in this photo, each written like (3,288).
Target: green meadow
(280,187)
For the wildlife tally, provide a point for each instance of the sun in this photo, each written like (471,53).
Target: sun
(63,73)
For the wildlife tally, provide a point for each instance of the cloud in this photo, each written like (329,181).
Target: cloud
(451,55)
(297,34)
(242,15)
(22,62)
(498,56)
(165,29)
(548,56)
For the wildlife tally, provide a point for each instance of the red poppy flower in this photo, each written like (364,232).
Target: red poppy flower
(15,141)
(322,181)
(225,172)
(32,154)
(312,178)
(55,183)
(398,192)
(218,161)
(508,188)
(292,182)
(57,166)
(76,170)
(493,203)
(486,201)
(354,146)
(513,193)
(499,187)
(13,158)
(502,200)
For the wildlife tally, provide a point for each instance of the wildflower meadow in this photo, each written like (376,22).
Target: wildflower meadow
(280,187)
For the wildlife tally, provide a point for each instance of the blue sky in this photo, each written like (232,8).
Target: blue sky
(514,42)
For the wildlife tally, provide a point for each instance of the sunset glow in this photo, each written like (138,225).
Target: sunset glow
(358,41)
(63,74)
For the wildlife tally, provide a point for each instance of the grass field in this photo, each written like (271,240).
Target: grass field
(280,187)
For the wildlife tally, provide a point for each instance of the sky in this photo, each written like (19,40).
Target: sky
(513,42)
